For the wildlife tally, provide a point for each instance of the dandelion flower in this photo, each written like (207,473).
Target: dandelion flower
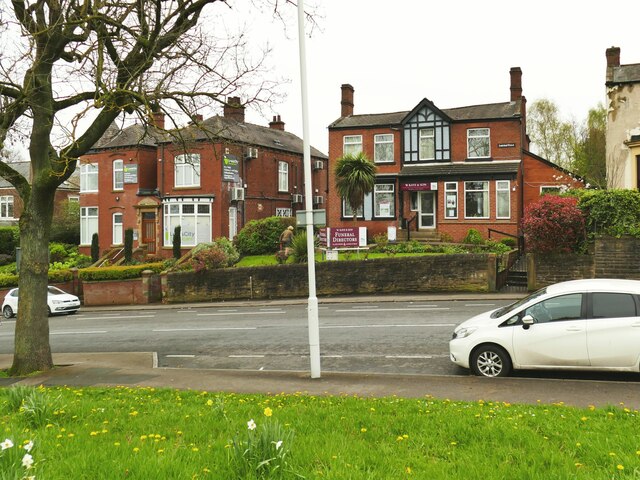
(267,412)
(620,467)
(27,461)
(251,425)
(6,444)
(363,430)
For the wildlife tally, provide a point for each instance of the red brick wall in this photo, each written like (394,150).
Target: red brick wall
(540,173)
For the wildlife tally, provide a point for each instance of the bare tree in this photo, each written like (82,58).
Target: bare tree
(68,69)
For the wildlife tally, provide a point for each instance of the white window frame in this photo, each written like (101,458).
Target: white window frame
(118,174)
(6,207)
(450,199)
(352,144)
(88,177)
(503,194)
(88,224)
(186,170)
(381,190)
(73,198)
(283,176)
(381,144)
(428,135)
(485,199)
(478,138)
(117,229)
(174,214)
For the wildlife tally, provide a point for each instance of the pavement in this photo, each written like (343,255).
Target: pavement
(139,369)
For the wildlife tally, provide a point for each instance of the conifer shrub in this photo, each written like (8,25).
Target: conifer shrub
(554,224)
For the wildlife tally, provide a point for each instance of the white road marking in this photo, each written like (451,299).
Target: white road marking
(356,307)
(201,329)
(394,309)
(90,332)
(215,314)
(118,317)
(391,326)
(180,356)
(415,356)
(479,304)
(246,356)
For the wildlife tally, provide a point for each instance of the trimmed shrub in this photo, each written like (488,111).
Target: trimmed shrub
(177,242)
(95,248)
(128,245)
(473,237)
(259,237)
(218,254)
(57,252)
(554,224)
(118,273)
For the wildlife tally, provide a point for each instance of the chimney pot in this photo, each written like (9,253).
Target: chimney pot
(276,123)
(347,100)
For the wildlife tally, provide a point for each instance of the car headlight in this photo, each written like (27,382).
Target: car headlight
(56,302)
(464,332)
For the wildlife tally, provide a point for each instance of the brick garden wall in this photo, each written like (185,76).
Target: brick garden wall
(612,258)
(441,273)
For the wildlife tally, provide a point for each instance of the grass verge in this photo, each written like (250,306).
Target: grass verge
(142,433)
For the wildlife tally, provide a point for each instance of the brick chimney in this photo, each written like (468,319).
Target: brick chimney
(276,123)
(234,110)
(347,100)
(157,117)
(516,83)
(613,60)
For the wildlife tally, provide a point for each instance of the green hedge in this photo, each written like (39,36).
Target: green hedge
(9,240)
(120,272)
(610,212)
(55,276)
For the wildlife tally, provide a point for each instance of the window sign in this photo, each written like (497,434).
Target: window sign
(283,212)
(344,237)
(131,173)
(230,168)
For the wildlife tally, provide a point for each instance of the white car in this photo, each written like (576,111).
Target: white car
(589,324)
(58,301)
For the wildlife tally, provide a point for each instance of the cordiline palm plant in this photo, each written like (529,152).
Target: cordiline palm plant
(355,177)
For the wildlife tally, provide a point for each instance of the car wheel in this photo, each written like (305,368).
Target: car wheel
(490,361)
(7,312)
(48,311)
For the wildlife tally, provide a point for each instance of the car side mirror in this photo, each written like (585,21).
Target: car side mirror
(527,321)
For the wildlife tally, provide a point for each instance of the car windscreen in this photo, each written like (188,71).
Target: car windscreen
(55,291)
(514,306)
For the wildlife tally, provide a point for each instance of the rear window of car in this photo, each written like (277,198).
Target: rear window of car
(613,305)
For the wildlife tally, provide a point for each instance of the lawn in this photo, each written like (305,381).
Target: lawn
(261,260)
(143,433)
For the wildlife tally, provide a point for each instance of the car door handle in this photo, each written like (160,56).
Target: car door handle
(574,329)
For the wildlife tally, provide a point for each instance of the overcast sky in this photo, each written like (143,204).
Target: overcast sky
(455,53)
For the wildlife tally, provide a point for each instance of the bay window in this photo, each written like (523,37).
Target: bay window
(194,220)
(451,199)
(88,224)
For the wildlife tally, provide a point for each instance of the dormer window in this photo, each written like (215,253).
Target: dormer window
(478,143)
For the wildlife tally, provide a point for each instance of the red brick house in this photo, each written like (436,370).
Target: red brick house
(11,204)
(210,178)
(442,172)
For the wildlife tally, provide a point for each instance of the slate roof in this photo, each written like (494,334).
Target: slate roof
(489,111)
(24,169)
(214,128)
(625,74)
(452,169)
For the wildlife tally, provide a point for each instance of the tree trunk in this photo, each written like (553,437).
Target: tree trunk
(32,351)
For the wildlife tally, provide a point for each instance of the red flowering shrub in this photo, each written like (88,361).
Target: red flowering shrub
(553,224)
(208,259)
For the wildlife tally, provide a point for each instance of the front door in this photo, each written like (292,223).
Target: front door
(427,204)
(149,231)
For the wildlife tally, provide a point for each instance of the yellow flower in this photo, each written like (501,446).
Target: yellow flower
(408,470)
(363,430)
(267,412)
(209,402)
(620,467)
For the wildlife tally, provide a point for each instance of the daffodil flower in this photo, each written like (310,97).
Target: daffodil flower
(251,425)
(6,444)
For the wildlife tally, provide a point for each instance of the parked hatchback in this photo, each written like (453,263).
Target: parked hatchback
(58,301)
(581,324)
